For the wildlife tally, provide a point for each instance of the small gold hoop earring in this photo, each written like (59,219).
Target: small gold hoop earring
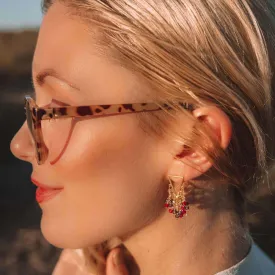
(176,202)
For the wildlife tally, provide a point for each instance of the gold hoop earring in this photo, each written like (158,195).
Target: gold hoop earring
(176,202)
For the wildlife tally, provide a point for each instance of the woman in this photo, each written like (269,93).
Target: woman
(151,123)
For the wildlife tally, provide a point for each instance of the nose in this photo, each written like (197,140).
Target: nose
(22,146)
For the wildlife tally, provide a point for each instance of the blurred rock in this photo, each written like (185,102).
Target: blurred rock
(16,52)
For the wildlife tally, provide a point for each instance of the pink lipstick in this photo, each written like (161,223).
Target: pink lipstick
(45,193)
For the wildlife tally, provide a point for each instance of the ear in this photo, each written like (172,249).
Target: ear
(191,163)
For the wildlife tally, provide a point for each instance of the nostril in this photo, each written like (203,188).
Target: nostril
(23,156)
(21,151)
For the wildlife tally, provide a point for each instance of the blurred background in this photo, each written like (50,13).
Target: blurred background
(23,250)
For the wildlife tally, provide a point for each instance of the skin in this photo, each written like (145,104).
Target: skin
(114,174)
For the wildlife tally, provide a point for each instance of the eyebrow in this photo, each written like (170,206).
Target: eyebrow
(42,75)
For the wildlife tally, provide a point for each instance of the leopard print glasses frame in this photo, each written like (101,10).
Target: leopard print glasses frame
(35,115)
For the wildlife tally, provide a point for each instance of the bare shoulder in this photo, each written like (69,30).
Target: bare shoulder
(71,262)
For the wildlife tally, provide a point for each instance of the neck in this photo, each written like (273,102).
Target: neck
(204,242)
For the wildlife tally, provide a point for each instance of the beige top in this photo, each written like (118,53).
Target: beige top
(71,262)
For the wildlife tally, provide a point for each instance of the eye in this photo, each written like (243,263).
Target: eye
(56,103)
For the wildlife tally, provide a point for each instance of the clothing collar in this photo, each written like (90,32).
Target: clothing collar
(255,263)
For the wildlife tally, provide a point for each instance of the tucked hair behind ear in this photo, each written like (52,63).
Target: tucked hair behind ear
(201,52)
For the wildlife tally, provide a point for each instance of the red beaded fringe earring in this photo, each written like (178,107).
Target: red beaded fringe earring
(176,201)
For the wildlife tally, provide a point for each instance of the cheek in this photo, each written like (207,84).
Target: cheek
(111,174)
(102,143)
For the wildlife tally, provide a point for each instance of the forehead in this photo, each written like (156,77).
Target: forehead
(62,40)
(71,48)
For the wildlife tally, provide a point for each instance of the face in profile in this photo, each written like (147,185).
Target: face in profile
(107,170)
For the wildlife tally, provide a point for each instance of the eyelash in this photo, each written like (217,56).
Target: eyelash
(52,104)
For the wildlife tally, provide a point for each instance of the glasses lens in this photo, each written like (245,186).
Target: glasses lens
(56,135)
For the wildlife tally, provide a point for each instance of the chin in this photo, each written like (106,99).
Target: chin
(70,237)
(54,234)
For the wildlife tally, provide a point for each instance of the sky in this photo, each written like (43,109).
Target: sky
(20,14)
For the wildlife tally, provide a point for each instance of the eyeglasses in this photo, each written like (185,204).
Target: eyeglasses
(36,115)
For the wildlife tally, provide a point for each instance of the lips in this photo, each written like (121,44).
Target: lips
(45,193)
(38,184)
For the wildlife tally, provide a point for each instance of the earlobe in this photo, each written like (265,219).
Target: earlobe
(194,166)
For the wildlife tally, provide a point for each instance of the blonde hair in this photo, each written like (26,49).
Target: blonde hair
(200,52)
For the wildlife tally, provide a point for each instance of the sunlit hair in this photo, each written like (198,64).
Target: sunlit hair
(201,52)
